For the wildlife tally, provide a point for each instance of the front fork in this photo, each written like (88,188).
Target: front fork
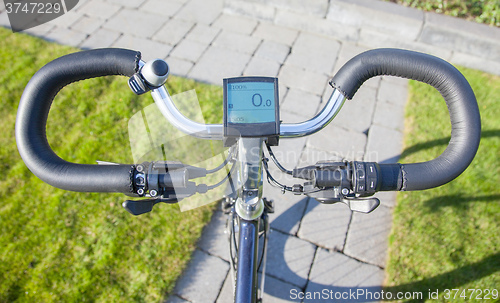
(244,240)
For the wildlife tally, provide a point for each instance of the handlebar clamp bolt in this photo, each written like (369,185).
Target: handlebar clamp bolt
(345,191)
(140,168)
(153,193)
(140,191)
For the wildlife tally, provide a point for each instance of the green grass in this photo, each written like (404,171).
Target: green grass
(481,11)
(59,246)
(448,237)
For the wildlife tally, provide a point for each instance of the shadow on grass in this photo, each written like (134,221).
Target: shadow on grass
(443,141)
(455,200)
(450,280)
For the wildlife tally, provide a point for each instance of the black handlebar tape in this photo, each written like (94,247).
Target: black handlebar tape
(32,119)
(459,97)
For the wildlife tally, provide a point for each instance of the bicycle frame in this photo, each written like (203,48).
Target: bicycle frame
(249,208)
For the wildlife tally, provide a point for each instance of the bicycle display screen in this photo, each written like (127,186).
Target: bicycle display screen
(251,107)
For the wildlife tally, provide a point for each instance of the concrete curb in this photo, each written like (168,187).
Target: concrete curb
(384,24)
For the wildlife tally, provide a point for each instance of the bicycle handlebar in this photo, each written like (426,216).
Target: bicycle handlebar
(43,162)
(34,108)
(459,97)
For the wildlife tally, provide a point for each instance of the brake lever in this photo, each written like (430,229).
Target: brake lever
(334,195)
(139,207)
(361,205)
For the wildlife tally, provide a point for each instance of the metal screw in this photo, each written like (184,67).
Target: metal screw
(345,191)
(153,193)
(140,191)
(140,180)
(140,168)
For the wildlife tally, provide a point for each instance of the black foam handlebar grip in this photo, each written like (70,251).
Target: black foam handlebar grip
(34,108)
(459,97)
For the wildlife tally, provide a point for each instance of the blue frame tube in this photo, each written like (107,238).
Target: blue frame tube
(247,262)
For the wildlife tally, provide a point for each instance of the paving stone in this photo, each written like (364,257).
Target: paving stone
(289,258)
(325,224)
(101,38)
(99,9)
(4,20)
(282,90)
(262,67)
(201,11)
(149,49)
(66,20)
(218,63)
(347,144)
(368,234)
(273,51)
(189,50)
(289,209)
(176,299)
(389,115)
(393,90)
(385,17)
(261,11)
(40,30)
(226,294)
(296,77)
(276,33)
(384,145)
(202,279)
(237,42)
(336,275)
(173,32)
(238,24)
(289,117)
(129,3)
(214,239)
(144,25)
(314,53)
(203,34)
(87,25)
(65,36)
(79,5)
(179,67)
(357,114)
(387,198)
(301,103)
(161,7)
(313,24)
(276,291)
(311,156)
